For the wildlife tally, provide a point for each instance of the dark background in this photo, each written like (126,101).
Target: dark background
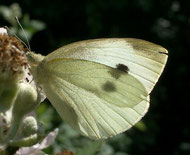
(165,22)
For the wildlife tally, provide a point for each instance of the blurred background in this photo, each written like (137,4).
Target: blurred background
(165,129)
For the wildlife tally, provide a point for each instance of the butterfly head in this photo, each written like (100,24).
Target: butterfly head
(34,59)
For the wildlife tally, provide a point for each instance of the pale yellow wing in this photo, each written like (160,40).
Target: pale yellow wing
(97,100)
(144,60)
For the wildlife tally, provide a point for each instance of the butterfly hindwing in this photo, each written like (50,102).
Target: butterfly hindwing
(95,99)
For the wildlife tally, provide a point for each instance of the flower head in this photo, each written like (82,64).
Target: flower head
(13,60)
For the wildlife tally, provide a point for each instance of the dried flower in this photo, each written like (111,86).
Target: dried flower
(13,60)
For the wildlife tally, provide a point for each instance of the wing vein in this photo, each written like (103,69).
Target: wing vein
(78,107)
(127,51)
(103,117)
(96,78)
(106,79)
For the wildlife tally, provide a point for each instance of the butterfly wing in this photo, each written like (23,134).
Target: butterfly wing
(144,60)
(97,100)
(101,87)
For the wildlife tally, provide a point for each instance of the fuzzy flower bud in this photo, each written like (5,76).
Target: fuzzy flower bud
(13,62)
(18,97)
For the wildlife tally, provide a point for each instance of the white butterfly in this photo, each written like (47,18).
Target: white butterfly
(100,87)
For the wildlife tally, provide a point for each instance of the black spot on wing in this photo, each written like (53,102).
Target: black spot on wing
(122,67)
(119,70)
(163,52)
(109,87)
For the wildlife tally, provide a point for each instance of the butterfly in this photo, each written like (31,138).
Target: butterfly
(100,87)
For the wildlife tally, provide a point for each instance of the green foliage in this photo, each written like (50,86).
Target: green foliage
(30,26)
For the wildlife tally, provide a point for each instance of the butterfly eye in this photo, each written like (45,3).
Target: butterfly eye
(34,59)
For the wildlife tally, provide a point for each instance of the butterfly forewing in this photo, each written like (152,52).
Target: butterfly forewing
(144,60)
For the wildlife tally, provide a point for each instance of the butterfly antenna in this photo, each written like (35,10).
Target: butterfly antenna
(8,29)
(23,33)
